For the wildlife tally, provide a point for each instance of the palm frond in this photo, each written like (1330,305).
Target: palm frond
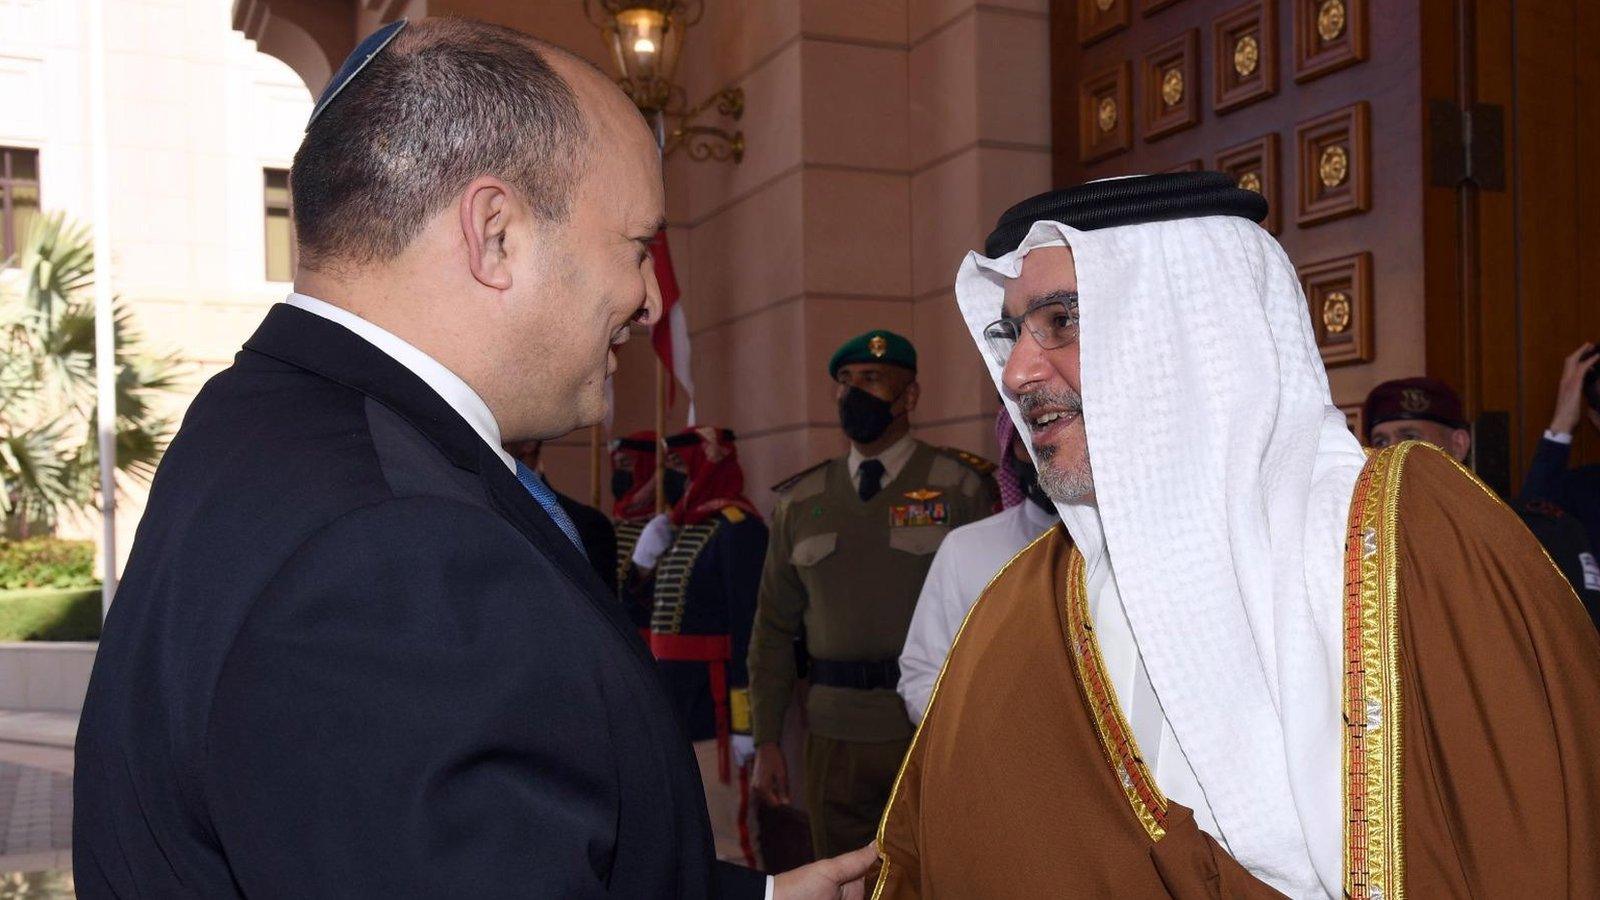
(49,452)
(140,445)
(40,476)
(58,259)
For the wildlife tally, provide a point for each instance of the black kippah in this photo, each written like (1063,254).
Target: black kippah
(1127,201)
(353,66)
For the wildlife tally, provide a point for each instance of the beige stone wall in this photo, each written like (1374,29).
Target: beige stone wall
(884,138)
(194,114)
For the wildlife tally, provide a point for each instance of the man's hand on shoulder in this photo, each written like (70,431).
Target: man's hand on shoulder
(838,878)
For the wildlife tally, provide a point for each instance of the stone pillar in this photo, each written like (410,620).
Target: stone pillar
(980,141)
(884,138)
(806,242)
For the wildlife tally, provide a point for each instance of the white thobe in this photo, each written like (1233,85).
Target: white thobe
(965,563)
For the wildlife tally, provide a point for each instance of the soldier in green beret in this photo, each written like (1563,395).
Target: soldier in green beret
(850,546)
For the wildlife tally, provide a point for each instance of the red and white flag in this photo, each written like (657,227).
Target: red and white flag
(670,336)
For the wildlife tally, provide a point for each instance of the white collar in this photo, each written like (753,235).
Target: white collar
(1036,518)
(894,458)
(447,384)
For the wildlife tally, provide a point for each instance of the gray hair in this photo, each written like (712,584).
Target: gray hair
(447,101)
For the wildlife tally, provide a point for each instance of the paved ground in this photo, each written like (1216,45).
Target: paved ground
(36,804)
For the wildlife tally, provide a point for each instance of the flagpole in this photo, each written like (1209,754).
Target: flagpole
(658,125)
(105,350)
(661,436)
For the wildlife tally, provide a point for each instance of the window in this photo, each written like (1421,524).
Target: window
(280,227)
(19,198)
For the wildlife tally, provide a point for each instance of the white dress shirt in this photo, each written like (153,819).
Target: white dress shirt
(964,565)
(447,384)
(894,458)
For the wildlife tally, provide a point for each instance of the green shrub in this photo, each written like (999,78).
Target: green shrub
(46,563)
(50,615)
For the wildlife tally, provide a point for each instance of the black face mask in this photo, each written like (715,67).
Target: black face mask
(672,485)
(864,417)
(1028,480)
(621,483)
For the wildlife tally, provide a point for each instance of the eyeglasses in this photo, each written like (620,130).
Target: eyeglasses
(1052,320)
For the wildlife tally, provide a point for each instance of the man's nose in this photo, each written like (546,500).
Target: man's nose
(1026,366)
(652,294)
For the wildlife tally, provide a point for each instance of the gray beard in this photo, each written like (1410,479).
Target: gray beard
(1062,483)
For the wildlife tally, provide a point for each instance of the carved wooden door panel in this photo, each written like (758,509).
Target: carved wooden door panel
(1430,166)
(1311,102)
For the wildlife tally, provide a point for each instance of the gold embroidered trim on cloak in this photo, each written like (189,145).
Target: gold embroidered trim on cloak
(1374,853)
(894,792)
(1116,737)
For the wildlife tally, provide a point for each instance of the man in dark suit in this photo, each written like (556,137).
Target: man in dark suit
(1576,490)
(595,532)
(358,651)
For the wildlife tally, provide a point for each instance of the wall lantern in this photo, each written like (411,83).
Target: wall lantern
(645,37)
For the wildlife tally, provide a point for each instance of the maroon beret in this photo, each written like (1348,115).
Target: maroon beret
(1412,398)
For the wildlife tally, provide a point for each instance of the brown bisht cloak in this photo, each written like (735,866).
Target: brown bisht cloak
(1471,749)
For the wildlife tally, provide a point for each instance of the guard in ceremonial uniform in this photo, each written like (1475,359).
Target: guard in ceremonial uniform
(703,599)
(1425,409)
(852,539)
(633,492)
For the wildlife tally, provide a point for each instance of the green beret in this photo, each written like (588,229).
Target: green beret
(874,347)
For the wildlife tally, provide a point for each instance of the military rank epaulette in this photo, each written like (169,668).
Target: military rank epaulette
(734,514)
(971,460)
(792,480)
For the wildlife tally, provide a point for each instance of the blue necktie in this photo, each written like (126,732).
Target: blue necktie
(547,499)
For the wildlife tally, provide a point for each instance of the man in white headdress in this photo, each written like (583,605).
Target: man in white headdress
(1254,661)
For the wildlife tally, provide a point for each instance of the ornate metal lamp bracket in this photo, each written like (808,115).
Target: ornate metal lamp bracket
(645,37)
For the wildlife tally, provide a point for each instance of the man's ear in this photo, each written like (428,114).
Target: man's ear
(485,211)
(1460,444)
(913,393)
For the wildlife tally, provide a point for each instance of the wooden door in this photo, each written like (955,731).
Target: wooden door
(1313,102)
(1369,126)
(1512,211)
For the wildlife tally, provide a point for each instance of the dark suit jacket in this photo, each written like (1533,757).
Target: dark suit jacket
(1567,543)
(1577,491)
(352,657)
(599,537)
